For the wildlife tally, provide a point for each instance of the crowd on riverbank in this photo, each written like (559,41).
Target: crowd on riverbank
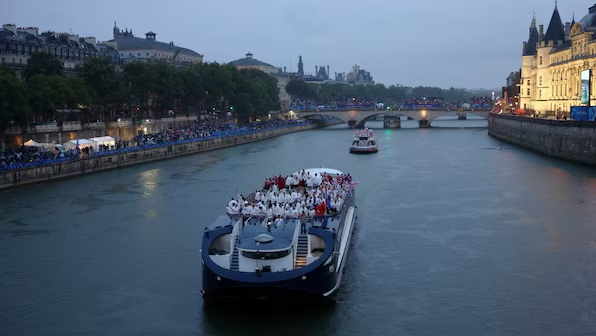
(24,157)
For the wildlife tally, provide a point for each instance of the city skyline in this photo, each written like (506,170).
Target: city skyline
(321,37)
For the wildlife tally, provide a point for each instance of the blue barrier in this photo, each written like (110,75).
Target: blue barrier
(215,135)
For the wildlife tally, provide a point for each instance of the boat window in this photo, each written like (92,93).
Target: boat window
(265,255)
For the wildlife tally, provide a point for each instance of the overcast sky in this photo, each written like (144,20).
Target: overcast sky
(461,43)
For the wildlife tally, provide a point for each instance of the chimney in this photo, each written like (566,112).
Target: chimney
(316,70)
(524,46)
(567,28)
(91,40)
(328,74)
(31,30)
(541,31)
(10,26)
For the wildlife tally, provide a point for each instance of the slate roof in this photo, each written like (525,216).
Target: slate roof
(590,19)
(137,43)
(530,49)
(562,46)
(556,29)
(64,41)
(250,61)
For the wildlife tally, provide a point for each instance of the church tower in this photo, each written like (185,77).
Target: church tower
(300,66)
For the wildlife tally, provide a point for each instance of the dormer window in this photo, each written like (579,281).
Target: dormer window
(540,60)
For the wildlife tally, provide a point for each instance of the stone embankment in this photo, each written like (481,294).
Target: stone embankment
(571,140)
(14,178)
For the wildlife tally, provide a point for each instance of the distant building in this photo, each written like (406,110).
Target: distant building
(249,62)
(359,76)
(148,48)
(512,88)
(17,45)
(552,63)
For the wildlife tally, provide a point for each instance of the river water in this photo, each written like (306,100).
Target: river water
(452,239)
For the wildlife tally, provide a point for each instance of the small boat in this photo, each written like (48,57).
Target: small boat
(364,142)
(287,241)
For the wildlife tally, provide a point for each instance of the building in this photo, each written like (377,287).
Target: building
(552,63)
(249,62)
(357,76)
(149,48)
(512,88)
(17,45)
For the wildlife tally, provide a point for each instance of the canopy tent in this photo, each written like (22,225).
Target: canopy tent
(72,144)
(103,140)
(32,143)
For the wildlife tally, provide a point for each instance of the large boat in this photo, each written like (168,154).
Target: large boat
(287,241)
(364,142)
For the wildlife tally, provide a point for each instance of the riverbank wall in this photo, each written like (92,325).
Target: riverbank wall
(120,159)
(570,140)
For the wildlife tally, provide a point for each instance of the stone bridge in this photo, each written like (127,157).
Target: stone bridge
(357,118)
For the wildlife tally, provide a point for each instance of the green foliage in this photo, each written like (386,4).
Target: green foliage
(14,108)
(42,63)
(325,93)
(104,91)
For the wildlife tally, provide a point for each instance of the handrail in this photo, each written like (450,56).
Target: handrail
(217,135)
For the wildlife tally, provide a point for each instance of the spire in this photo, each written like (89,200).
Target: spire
(573,19)
(556,29)
(533,23)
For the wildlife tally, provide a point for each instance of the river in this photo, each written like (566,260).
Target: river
(452,239)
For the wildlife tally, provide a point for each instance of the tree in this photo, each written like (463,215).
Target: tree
(42,63)
(14,108)
(104,87)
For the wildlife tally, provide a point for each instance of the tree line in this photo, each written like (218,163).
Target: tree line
(100,90)
(324,93)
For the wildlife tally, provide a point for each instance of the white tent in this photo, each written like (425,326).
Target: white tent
(72,144)
(104,140)
(32,143)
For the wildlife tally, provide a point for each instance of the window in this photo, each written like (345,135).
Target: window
(528,92)
(540,94)
(528,82)
(540,60)
(540,81)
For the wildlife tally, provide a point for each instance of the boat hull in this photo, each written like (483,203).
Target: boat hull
(369,150)
(312,287)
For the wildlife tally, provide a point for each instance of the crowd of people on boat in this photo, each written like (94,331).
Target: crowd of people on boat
(298,195)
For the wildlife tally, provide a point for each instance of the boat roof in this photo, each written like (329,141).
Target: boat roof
(312,171)
(280,237)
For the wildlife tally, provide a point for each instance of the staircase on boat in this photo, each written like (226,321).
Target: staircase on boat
(301,251)
(234,261)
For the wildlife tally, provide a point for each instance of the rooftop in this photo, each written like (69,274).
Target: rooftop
(250,61)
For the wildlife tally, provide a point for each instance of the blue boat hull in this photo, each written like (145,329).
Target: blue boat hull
(313,288)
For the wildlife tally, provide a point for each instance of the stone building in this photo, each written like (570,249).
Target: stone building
(17,45)
(149,48)
(552,63)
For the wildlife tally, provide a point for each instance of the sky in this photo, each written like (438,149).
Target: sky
(461,43)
